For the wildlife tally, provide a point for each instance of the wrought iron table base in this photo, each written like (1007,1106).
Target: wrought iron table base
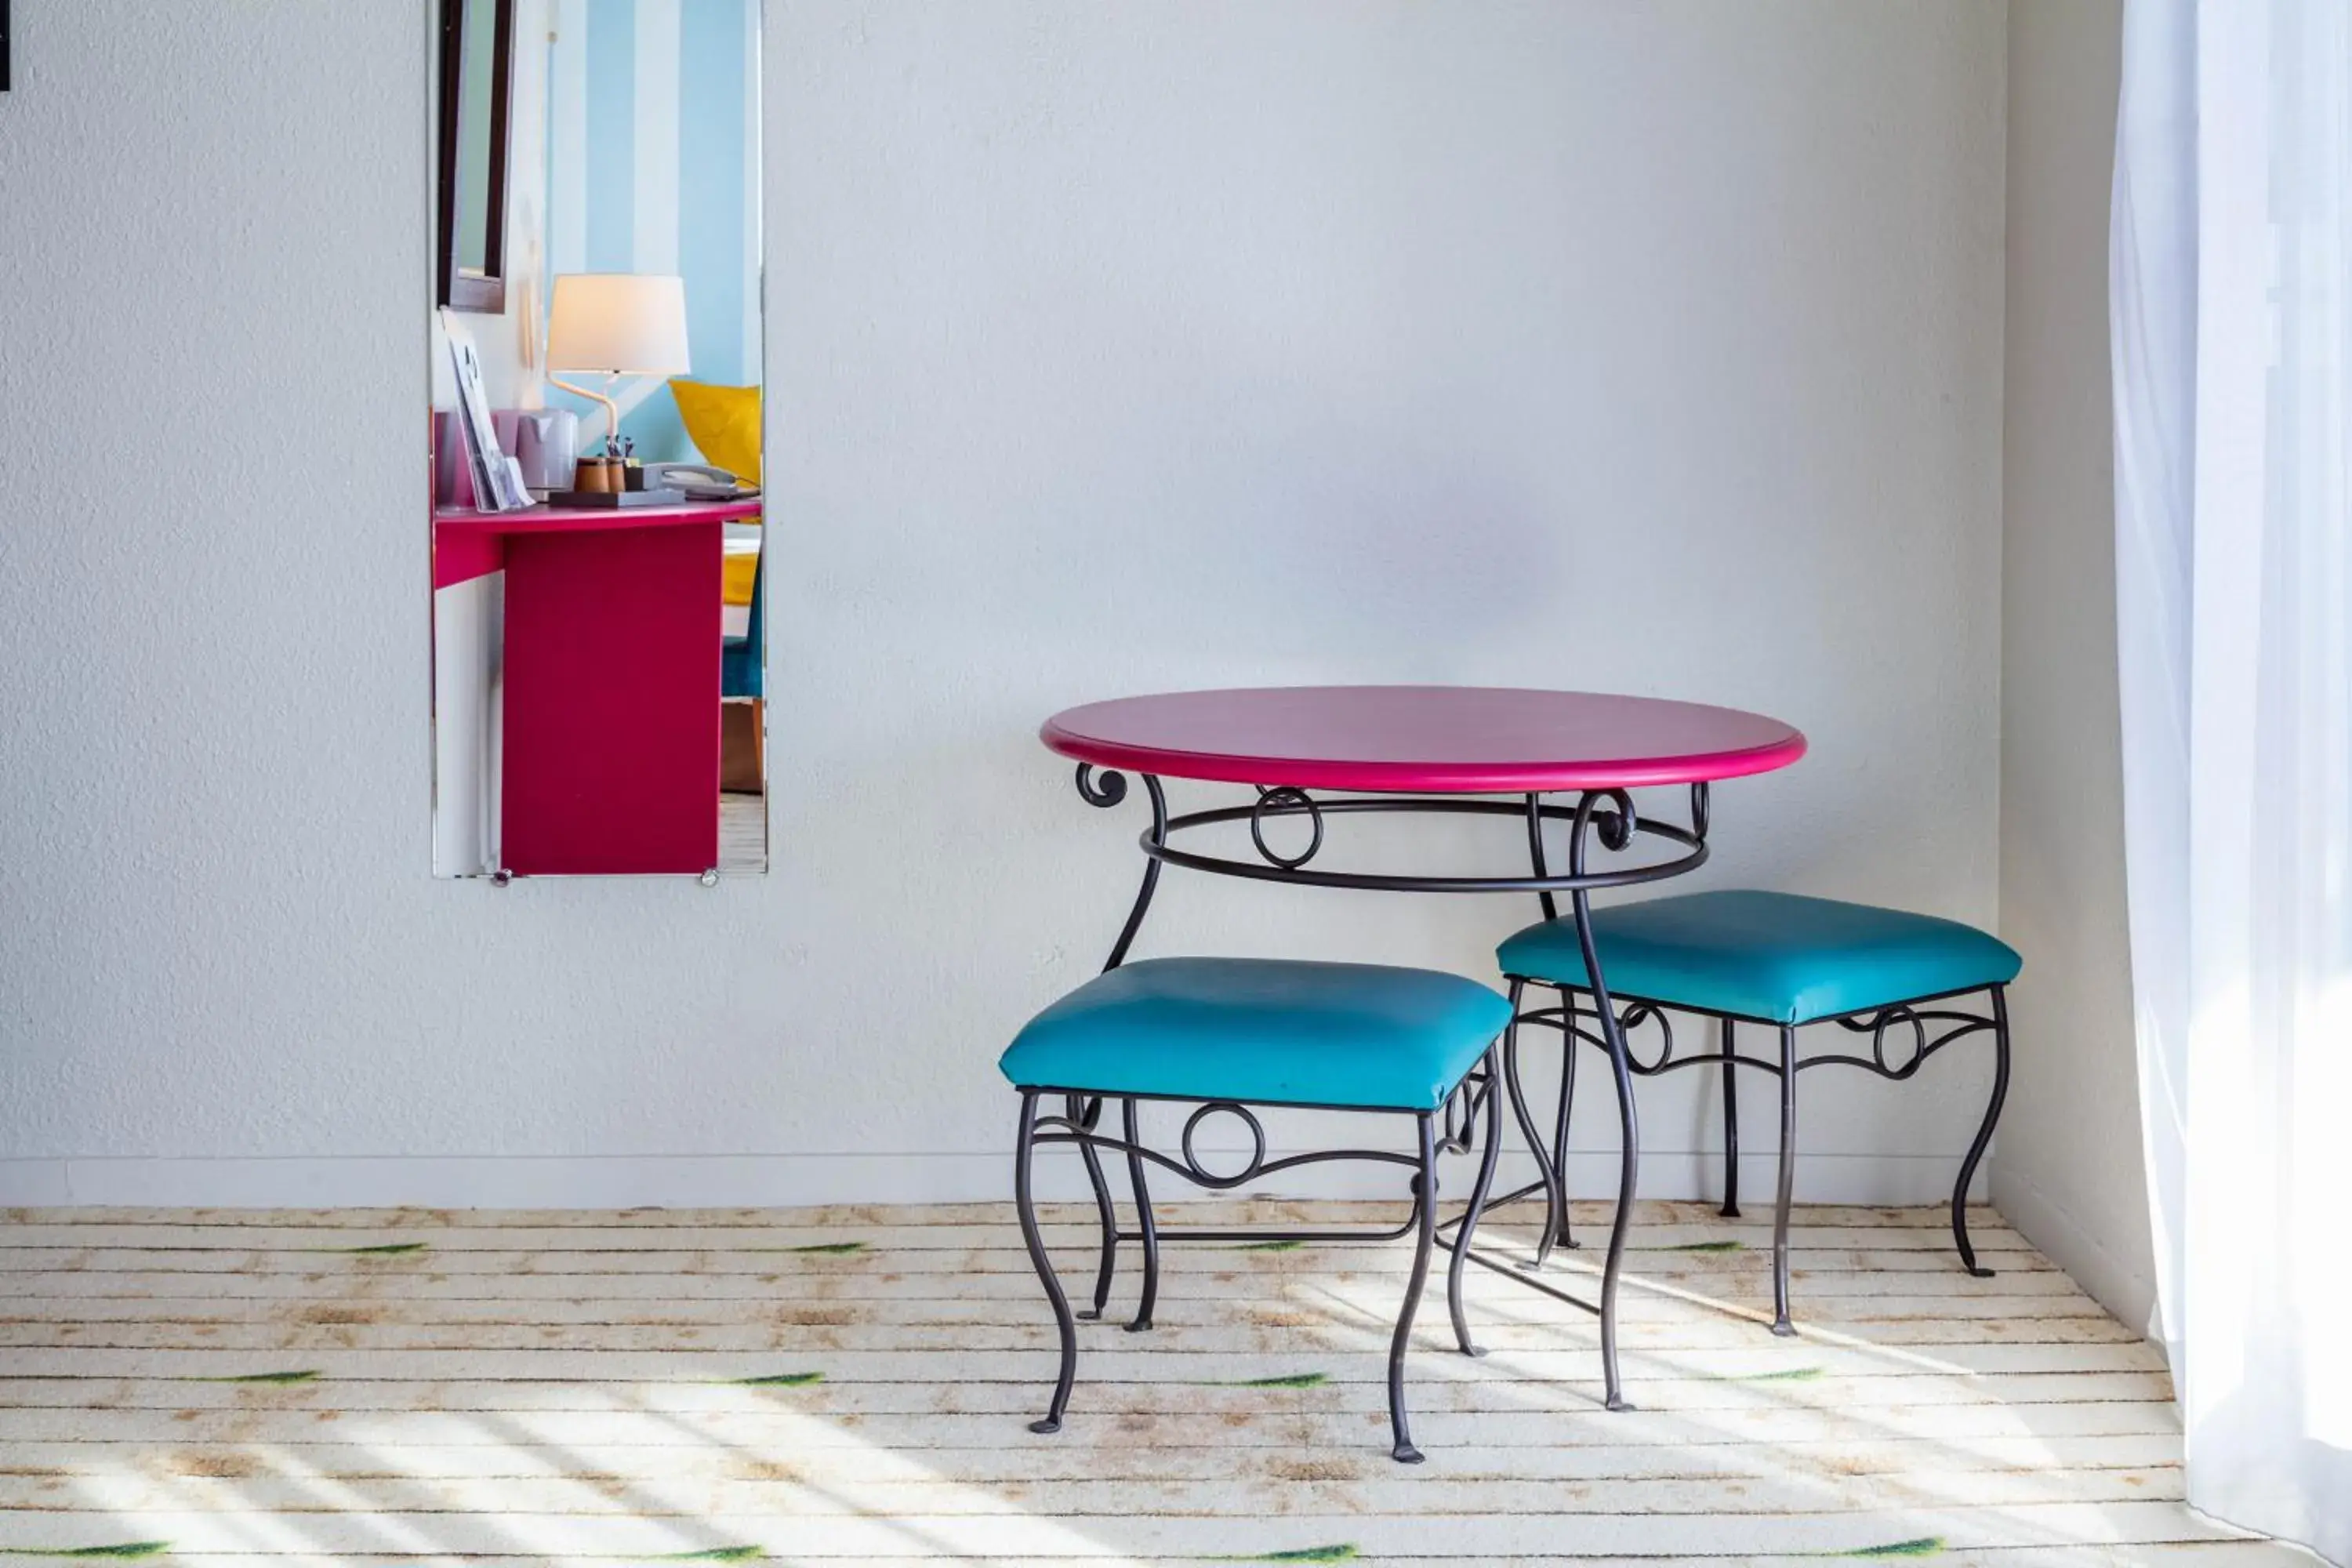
(1479,1092)
(1603,816)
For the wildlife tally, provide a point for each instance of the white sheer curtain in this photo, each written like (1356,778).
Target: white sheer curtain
(2231,266)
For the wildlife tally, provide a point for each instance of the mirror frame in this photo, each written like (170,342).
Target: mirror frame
(486,294)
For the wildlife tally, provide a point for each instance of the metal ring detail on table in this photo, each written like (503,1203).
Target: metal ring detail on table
(1615,824)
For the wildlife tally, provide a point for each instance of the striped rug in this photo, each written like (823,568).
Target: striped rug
(854,1384)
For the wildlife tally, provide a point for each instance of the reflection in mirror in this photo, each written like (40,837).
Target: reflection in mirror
(599,576)
(473,103)
(481,44)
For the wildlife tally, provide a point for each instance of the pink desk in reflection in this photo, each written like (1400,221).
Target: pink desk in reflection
(610,728)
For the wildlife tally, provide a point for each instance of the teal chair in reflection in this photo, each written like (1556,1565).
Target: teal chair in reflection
(741,673)
(744,686)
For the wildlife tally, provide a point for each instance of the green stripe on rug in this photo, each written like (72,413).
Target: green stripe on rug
(1925,1546)
(389,1250)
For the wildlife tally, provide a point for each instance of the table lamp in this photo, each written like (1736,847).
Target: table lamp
(617,324)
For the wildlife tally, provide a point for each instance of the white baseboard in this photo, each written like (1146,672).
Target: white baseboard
(768,1180)
(2118,1284)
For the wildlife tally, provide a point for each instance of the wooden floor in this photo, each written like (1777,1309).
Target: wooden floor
(813,1385)
(742,832)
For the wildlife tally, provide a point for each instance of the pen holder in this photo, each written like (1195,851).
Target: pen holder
(453,476)
(547,442)
(597,476)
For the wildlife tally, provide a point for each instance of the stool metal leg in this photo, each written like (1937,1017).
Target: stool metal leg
(1024,1151)
(1086,1112)
(1144,1223)
(1555,1169)
(1984,1134)
(1405,1452)
(1563,1234)
(1554,1197)
(1780,1324)
(1478,1202)
(1629,1135)
(1730,1123)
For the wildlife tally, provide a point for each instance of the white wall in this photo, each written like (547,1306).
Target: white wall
(2069,1173)
(1648,347)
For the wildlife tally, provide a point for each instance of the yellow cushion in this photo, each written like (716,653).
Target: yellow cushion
(740,572)
(723,423)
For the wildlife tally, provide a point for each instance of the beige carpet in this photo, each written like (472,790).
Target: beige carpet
(814,1385)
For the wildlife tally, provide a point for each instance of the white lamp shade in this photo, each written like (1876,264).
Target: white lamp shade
(621,323)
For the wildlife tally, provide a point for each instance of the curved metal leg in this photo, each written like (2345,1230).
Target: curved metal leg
(1085,1112)
(1144,1223)
(1555,1170)
(1112,790)
(1555,1198)
(1628,1172)
(1426,1212)
(1984,1134)
(1027,1209)
(1109,792)
(1477,1205)
(1780,1324)
(1562,1233)
(1730,1124)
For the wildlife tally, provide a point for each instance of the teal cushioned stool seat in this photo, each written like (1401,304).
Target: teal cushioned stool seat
(1776,957)
(1267,1031)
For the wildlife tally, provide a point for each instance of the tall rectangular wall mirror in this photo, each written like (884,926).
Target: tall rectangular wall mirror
(598,534)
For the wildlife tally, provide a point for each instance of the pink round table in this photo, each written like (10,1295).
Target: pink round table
(1427,749)
(1442,738)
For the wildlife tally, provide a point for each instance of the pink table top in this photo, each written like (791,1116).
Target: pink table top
(468,544)
(1448,738)
(573,519)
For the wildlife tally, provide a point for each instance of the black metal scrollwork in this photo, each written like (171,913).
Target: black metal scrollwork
(1633,1016)
(1257,1143)
(1284,801)
(1924,1042)
(1608,815)
(1636,1015)
(1069,1129)
(1462,1111)
(1111,791)
(1616,822)
(1879,1027)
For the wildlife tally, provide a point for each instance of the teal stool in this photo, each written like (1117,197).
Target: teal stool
(1230,1033)
(1781,961)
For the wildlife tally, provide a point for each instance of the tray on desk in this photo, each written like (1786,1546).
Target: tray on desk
(614,501)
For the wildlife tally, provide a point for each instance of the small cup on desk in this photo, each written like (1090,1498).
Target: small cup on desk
(594,476)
